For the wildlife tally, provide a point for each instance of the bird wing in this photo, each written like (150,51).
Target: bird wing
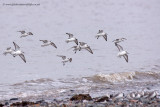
(8,48)
(115,40)
(119,47)
(23,58)
(123,39)
(74,47)
(70,59)
(22,32)
(82,43)
(70,35)
(44,41)
(126,57)
(63,57)
(100,31)
(89,49)
(16,46)
(53,44)
(30,33)
(76,41)
(105,37)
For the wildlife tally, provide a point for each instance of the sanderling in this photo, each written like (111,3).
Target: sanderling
(138,95)
(47,43)
(152,94)
(85,46)
(118,96)
(131,95)
(76,48)
(101,33)
(8,51)
(24,34)
(124,54)
(71,38)
(65,59)
(17,51)
(119,40)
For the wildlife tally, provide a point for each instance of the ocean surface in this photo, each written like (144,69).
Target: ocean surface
(99,73)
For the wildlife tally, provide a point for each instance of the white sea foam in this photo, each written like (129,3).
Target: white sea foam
(123,76)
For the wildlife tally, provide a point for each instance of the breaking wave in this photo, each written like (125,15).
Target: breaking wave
(124,76)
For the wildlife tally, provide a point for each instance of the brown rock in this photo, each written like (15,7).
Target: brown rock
(102,99)
(23,103)
(81,97)
(1,105)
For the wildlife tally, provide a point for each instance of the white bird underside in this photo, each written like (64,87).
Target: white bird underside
(124,54)
(101,34)
(72,40)
(47,43)
(24,34)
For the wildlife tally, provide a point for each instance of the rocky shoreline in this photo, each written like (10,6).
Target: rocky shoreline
(133,99)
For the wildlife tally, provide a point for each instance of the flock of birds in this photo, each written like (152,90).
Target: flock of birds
(79,46)
(136,95)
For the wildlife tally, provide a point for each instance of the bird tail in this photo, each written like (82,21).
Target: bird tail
(66,41)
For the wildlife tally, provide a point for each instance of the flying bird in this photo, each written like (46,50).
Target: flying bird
(24,34)
(8,51)
(65,59)
(76,48)
(18,52)
(124,54)
(47,43)
(71,38)
(100,34)
(119,40)
(85,46)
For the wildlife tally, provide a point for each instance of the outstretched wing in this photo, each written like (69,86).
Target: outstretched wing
(70,35)
(100,31)
(105,37)
(22,32)
(74,47)
(126,57)
(82,43)
(53,44)
(8,48)
(63,57)
(22,57)
(76,41)
(16,46)
(89,49)
(123,39)
(119,47)
(44,41)
(30,33)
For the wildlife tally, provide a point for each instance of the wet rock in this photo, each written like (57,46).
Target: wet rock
(1,105)
(13,99)
(23,103)
(102,99)
(40,101)
(45,104)
(63,105)
(81,97)
(6,103)
(71,90)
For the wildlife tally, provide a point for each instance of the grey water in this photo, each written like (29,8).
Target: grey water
(136,20)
